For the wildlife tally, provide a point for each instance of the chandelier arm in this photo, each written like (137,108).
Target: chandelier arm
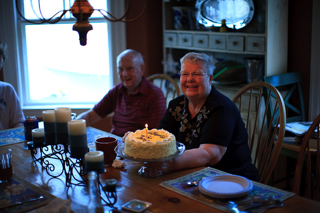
(125,12)
(24,18)
(34,12)
(139,16)
(107,18)
(49,20)
(112,19)
(63,12)
(115,19)
(58,18)
(42,20)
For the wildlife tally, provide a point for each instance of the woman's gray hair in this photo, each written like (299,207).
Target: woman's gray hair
(200,58)
(3,51)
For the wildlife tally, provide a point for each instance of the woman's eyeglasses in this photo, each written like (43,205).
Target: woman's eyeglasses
(195,75)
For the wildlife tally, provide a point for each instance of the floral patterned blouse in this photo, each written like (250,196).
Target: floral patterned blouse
(218,122)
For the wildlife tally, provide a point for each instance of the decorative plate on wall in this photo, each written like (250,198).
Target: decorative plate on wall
(237,13)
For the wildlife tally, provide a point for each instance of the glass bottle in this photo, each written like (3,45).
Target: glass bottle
(94,205)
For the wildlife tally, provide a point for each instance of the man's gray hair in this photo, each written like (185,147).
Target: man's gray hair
(200,58)
(135,54)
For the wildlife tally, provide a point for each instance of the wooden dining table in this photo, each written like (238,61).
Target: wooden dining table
(130,185)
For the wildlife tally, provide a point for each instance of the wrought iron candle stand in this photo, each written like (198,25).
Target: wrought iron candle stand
(76,174)
(73,168)
(110,192)
(49,153)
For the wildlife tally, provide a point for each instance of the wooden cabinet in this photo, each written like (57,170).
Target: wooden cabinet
(267,40)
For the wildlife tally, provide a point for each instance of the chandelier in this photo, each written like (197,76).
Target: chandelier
(81,10)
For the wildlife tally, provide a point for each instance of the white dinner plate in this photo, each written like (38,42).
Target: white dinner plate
(225,186)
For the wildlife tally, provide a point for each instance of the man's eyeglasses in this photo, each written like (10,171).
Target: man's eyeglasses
(128,71)
(195,75)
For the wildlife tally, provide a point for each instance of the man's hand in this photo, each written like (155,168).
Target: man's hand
(125,136)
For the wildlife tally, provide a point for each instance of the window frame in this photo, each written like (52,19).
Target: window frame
(13,67)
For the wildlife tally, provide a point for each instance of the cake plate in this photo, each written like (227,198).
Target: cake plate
(143,171)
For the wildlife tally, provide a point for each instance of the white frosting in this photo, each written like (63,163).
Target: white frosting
(77,127)
(95,156)
(157,144)
(62,114)
(48,116)
(38,132)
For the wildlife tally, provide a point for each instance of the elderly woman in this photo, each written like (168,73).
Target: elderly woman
(207,122)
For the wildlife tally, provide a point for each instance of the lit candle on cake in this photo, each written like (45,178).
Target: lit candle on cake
(94,161)
(49,126)
(62,116)
(78,138)
(38,137)
(146,130)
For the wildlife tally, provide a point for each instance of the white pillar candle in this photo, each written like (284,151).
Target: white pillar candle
(38,132)
(48,116)
(78,138)
(95,156)
(38,137)
(49,126)
(77,127)
(94,161)
(62,114)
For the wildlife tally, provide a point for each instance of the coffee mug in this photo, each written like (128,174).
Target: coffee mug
(107,146)
(5,165)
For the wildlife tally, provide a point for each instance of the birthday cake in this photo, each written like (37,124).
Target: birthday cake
(150,144)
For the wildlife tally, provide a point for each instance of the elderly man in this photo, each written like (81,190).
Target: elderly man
(135,102)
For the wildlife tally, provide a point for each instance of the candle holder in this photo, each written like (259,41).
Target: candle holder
(110,192)
(34,152)
(73,168)
(46,156)
(76,172)
(56,154)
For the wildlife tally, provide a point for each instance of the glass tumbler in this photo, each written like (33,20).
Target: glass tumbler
(5,165)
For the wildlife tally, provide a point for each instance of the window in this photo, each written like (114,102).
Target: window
(53,68)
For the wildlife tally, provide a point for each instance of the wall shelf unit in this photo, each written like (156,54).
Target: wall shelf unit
(267,40)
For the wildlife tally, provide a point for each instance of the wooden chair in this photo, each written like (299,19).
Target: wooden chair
(264,138)
(289,85)
(167,84)
(308,164)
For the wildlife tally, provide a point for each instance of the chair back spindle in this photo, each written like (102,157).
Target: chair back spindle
(167,84)
(264,138)
(307,174)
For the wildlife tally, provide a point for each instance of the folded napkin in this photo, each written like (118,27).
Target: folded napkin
(57,205)
(118,163)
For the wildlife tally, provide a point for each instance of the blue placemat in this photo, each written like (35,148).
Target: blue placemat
(20,190)
(11,136)
(16,135)
(259,191)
